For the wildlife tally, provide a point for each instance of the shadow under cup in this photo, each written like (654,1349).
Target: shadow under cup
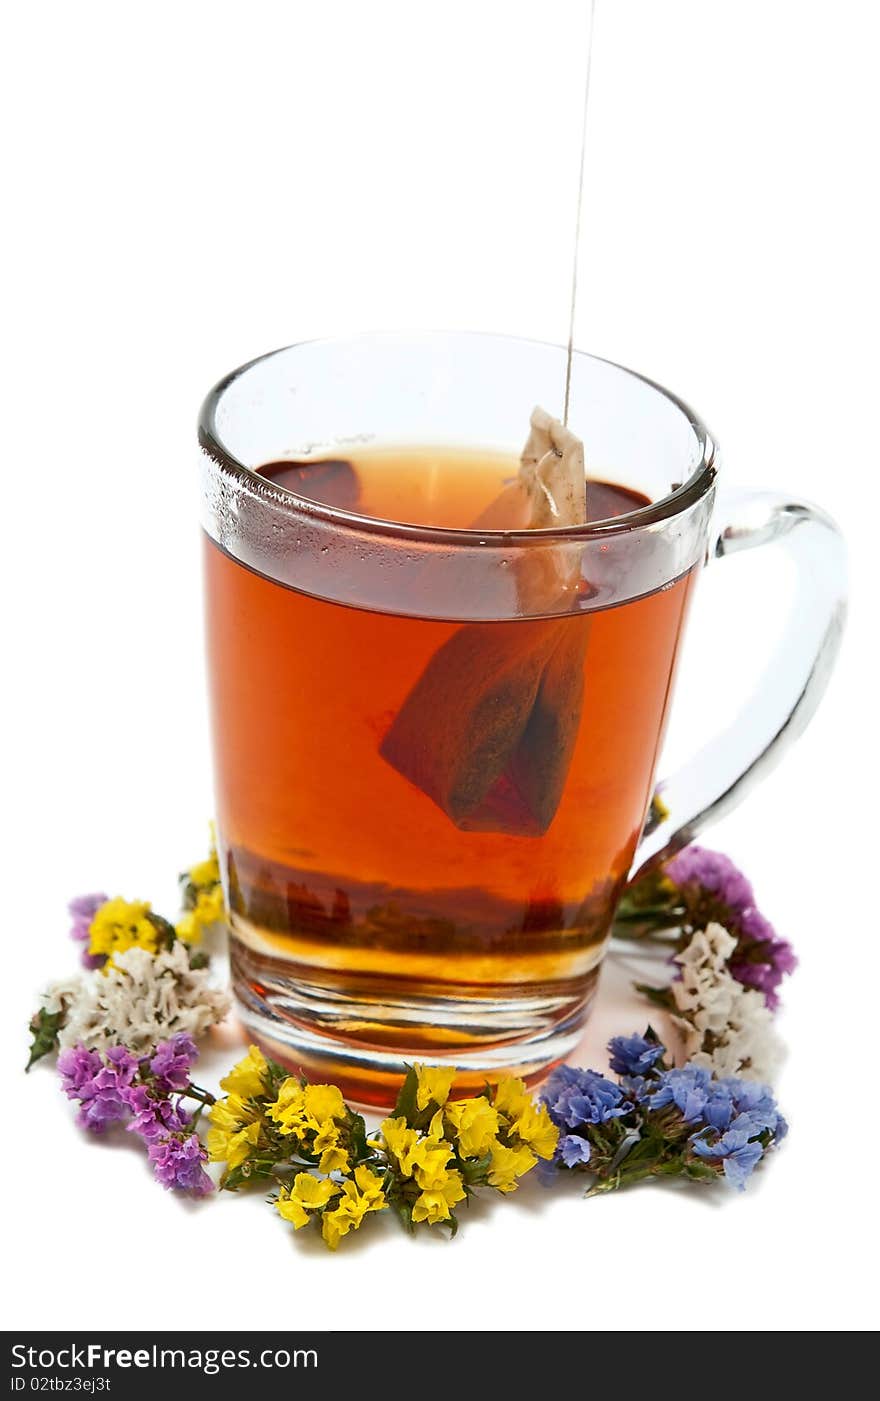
(429,794)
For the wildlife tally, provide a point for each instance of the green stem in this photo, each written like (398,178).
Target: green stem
(204,1097)
(637,914)
(627,1179)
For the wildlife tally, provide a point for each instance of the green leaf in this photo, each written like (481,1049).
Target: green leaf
(474,1170)
(661,997)
(163,927)
(404,1212)
(701,1172)
(358,1149)
(406,1100)
(44,1028)
(248,1173)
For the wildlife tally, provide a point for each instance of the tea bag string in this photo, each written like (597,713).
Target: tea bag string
(577,222)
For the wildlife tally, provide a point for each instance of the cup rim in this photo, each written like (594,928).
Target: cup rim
(675,503)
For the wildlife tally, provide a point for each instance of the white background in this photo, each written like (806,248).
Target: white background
(190,185)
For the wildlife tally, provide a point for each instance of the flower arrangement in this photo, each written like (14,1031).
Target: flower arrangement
(126,1033)
(114,1085)
(697,888)
(657,1121)
(730,961)
(149,979)
(428,1156)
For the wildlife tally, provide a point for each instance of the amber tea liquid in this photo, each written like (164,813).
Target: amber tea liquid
(369,873)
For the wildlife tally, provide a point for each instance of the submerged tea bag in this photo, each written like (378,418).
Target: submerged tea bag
(489,729)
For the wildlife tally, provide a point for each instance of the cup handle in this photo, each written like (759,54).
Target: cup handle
(720,775)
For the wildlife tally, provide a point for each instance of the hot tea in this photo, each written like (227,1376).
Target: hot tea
(427,814)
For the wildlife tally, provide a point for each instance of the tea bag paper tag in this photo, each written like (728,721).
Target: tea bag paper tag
(552,467)
(549,492)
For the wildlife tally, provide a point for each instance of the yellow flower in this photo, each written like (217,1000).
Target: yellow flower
(511,1097)
(205,872)
(248,1077)
(507,1165)
(337,1223)
(231,1113)
(400,1142)
(290,1092)
(307,1193)
(434,1085)
(122,924)
(209,906)
(433,1206)
(430,1171)
(476,1125)
(208,909)
(334,1160)
(409,1147)
(232,1148)
(324,1102)
(359,1197)
(326,1142)
(235,1130)
(326,1137)
(188,929)
(289,1109)
(370,1186)
(535,1127)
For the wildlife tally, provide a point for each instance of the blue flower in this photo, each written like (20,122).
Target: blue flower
(754,1102)
(577,1097)
(689,1089)
(573,1150)
(736,1151)
(633,1055)
(719,1110)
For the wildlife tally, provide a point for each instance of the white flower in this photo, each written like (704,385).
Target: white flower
(144,998)
(63,994)
(723,1025)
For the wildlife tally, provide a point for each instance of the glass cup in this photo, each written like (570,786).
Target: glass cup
(431,785)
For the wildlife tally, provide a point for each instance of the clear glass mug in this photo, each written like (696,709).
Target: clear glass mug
(430,793)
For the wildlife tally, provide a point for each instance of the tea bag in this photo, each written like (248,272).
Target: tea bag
(489,729)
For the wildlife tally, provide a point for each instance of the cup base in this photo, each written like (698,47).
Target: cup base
(364,1044)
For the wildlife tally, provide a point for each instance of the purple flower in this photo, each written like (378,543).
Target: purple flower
(713,871)
(633,1055)
(154,1117)
(177,1163)
(573,1150)
(761,959)
(101,1088)
(577,1097)
(83,909)
(712,887)
(172,1060)
(77,1067)
(738,1153)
